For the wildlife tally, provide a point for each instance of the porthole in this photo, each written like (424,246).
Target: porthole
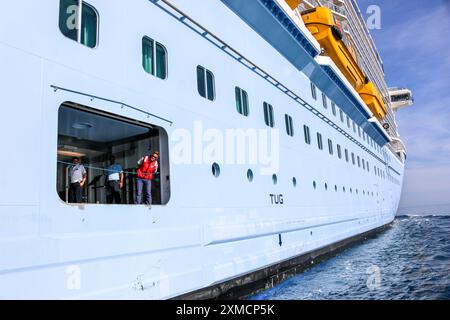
(215,170)
(351,190)
(314,185)
(274,179)
(335,188)
(326,186)
(356,191)
(343,189)
(250,175)
(294,182)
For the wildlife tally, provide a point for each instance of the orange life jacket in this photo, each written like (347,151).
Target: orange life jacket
(147,168)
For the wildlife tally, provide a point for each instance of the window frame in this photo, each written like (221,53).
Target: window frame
(330,147)
(243,97)
(269,117)
(324,101)
(155,44)
(333,108)
(205,84)
(307,134)
(313,91)
(289,125)
(319,141)
(80,23)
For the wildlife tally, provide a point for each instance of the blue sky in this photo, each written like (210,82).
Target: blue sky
(414,42)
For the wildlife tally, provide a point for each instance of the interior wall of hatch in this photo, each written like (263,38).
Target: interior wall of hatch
(94,137)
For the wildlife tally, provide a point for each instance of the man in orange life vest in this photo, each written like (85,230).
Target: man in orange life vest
(147,166)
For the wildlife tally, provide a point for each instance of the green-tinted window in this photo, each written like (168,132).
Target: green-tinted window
(210,85)
(88,26)
(161,66)
(147,55)
(154,58)
(319,141)
(237,92)
(289,125)
(268,115)
(205,83)
(245,102)
(201,87)
(84,31)
(307,134)
(241,101)
(324,101)
(313,91)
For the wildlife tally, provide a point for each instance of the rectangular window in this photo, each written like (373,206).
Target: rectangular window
(241,101)
(324,101)
(154,58)
(319,141)
(330,147)
(363,164)
(313,91)
(348,122)
(333,108)
(307,134)
(341,115)
(339,151)
(268,115)
(289,125)
(108,149)
(368,166)
(346,155)
(354,126)
(353,158)
(359,162)
(205,83)
(359,132)
(84,30)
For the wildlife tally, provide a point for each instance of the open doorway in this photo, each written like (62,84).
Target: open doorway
(94,137)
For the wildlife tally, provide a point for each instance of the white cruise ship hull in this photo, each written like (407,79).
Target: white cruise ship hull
(212,230)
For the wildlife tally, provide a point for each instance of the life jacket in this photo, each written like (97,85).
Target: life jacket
(147,168)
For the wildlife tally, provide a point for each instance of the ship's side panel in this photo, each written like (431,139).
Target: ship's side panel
(212,229)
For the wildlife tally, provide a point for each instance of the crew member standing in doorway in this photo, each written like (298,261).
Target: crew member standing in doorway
(114,181)
(78,175)
(147,166)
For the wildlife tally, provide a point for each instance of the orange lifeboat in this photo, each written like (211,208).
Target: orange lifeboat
(372,97)
(327,31)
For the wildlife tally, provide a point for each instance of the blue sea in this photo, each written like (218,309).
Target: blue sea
(410,260)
